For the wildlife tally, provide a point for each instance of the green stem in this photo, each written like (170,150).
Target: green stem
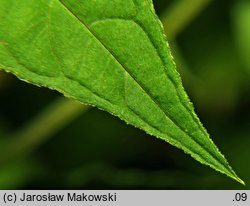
(56,116)
(177,17)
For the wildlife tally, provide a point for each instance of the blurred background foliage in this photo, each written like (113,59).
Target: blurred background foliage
(50,142)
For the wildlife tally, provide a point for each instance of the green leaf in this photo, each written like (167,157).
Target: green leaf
(110,54)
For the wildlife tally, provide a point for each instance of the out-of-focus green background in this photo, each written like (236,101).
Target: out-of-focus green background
(49,142)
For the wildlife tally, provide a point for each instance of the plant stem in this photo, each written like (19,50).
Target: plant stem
(177,17)
(56,116)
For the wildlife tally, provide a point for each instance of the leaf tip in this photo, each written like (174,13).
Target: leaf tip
(241,181)
(235,177)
